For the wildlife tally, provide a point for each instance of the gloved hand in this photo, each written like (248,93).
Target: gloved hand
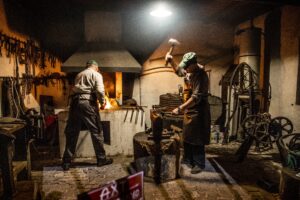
(102,107)
(176,111)
(168,57)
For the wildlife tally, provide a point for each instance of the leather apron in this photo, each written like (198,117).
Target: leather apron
(196,124)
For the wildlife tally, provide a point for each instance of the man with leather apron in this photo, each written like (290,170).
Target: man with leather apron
(196,123)
(84,111)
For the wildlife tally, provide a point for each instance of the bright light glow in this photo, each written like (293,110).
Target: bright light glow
(161,11)
(108,104)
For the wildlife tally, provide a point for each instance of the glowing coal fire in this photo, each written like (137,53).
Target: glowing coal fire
(108,104)
(111,103)
(113,89)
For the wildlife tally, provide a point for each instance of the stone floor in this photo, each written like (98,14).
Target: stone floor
(222,178)
(209,184)
(67,184)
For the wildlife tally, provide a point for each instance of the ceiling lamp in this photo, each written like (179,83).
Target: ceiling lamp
(161,11)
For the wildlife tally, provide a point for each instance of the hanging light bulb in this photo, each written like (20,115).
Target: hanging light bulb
(161,11)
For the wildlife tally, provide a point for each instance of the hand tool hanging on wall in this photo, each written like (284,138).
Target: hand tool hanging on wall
(132,111)
(17,90)
(126,115)
(7,46)
(43,64)
(26,76)
(173,42)
(142,118)
(137,114)
(17,71)
(52,60)
(27,49)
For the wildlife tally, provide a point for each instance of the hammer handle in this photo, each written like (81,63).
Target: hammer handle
(169,52)
(171,49)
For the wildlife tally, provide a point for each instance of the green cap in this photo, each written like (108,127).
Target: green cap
(92,62)
(188,59)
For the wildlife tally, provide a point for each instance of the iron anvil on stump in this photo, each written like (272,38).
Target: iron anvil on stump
(158,155)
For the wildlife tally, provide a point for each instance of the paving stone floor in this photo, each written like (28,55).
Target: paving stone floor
(209,184)
(214,182)
(67,184)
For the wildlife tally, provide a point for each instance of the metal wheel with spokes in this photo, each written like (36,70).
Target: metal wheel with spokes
(280,126)
(262,136)
(250,123)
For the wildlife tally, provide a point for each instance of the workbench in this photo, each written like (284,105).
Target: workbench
(10,130)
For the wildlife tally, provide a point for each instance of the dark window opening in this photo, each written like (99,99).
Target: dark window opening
(106,131)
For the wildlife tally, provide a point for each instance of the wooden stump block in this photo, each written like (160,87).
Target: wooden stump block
(168,169)
(159,163)
(143,147)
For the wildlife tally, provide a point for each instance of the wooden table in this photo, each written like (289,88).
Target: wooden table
(9,128)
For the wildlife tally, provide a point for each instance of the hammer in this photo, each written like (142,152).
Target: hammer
(173,42)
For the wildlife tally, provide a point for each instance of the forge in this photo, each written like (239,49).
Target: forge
(120,122)
(118,68)
(118,132)
(113,88)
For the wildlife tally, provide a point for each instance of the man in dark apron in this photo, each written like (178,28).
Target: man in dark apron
(84,110)
(196,123)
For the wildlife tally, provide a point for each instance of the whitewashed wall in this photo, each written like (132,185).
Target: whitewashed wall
(207,40)
(284,70)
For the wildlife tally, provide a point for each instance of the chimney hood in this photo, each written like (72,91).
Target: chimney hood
(110,57)
(102,31)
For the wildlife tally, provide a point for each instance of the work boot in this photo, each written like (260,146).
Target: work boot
(196,169)
(187,163)
(66,166)
(104,161)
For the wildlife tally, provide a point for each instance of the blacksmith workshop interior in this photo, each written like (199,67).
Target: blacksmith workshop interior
(248,49)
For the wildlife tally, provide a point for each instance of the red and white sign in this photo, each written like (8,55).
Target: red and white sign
(136,186)
(127,188)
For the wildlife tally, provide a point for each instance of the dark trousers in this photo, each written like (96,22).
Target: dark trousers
(83,112)
(194,154)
